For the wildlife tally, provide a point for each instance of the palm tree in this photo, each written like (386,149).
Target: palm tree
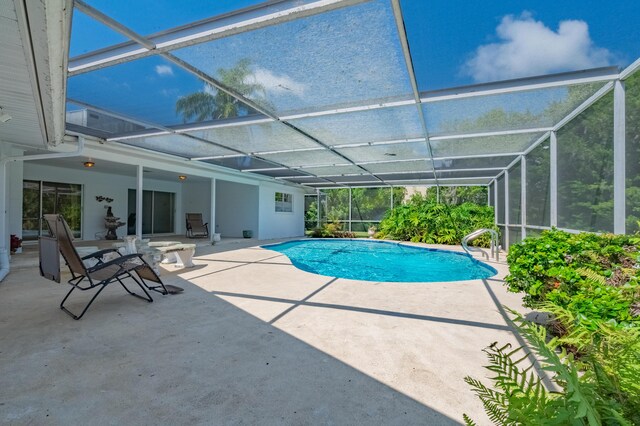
(215,104)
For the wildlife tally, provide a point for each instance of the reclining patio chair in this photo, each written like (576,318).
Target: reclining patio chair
(97,276)
(90,259)
(195,227)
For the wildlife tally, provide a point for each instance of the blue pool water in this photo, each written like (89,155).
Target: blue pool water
(381,261)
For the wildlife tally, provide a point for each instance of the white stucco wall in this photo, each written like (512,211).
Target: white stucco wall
(236,209)
(96,183)
(14,190)
(280,224)
(196,198)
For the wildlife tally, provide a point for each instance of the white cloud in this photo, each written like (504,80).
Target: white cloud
(207,88)
(164,70)
(527,47)
(276,84)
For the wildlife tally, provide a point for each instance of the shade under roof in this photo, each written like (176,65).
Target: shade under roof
(316,93)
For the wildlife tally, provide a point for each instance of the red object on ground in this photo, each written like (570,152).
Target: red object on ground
(16,243)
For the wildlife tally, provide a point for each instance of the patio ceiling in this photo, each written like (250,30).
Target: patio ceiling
(330,97)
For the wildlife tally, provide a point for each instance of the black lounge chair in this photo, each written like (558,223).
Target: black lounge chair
(97,276)
(195,227)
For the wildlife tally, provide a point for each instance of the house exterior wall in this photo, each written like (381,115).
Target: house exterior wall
(196,198)
(280,224)
(96,183)
(236,209)
(237,203)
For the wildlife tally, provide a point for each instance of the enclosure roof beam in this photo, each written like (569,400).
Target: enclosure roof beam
(404,42)
(593,75)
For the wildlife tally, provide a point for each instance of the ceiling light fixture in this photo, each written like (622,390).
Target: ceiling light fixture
(89,164)
(4,117)
(182,177)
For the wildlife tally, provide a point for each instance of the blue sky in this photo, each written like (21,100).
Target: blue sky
(444,35)
(354,53)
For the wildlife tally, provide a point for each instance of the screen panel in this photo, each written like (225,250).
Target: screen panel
(474,163)
(337,58)
(538,185)
(256,138)
(503,144)
(375,125)
(632,152)
(177,144)
(306,158)
(151,89)
(386,152)
(532,109)
(515,194)
(399,167)
(585,169)
(500,182)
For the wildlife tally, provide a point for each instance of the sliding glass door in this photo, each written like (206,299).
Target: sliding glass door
(39,198)
(158,212)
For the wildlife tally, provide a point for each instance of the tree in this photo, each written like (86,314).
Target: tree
(213,104)
(456,195)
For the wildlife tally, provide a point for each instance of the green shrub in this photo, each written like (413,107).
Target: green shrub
(594,276)
(331,230)
(423,220)
(599,388)
(589,285)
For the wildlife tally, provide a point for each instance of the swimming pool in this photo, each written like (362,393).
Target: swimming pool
(381,261)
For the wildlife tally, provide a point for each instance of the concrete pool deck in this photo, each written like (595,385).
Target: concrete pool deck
(252,340)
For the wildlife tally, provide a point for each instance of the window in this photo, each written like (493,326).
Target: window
(284,202)
(40,198)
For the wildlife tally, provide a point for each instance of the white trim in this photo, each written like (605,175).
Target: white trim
(506,208)
(523,196)
(524,84)
(553,179)
(495,200)
(231,123)
(627,72)
(619,160)
(390,142)
(487,134)
(404,42)
(359,108)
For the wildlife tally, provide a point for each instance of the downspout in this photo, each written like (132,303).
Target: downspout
(4,253)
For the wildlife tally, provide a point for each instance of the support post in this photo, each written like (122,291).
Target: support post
(350,215)
(139,202)
(506,209)
(523,196)
(212,219)
(553,179)
(619,166)
(318,209)
(495,201)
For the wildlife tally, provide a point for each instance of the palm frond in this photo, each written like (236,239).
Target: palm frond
(592,275)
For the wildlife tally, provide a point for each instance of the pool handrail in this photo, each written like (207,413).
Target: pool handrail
(495,249)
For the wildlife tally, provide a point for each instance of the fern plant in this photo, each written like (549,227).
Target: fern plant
(611,351)
(519,397)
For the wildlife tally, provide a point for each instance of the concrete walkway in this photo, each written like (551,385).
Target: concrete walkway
(252,340)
